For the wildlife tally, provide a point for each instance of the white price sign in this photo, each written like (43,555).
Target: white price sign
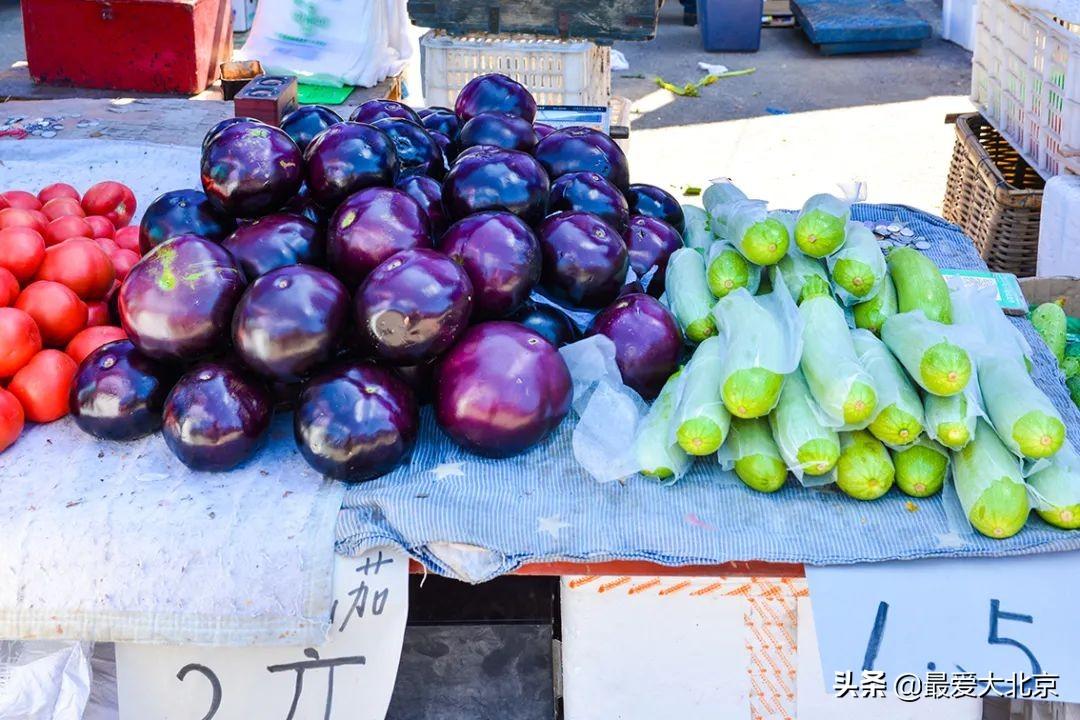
(350,676)
(984,627)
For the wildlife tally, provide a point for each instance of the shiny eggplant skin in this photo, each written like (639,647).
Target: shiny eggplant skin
(498,129)
(585,259)
(591,193)
(650,242)
(369,227)
(582,149)
(656,202)
(251,169)
(549,322)
(376,109)
(489,178)
(346,158)
(274,241)
(427,192)
(648,343)
(182,212)
(307,121)
(494,93)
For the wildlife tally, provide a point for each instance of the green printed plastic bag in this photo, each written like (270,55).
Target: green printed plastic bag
(657,456)
(807,445)
(899,420)
(990,486)
(1056,489)
(762,339)
(1025,419)
(842,387)
(933,354)
(697,234)
(718,200)
(819,231)
(865,470)
(804,276)
(951,420)
(701,421)
(752,453)
(728,270)
(761,236)
(688,294)
(873,313)
(921,468)
(858,268)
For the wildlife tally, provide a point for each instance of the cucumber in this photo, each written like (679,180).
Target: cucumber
(926,350)
(1073,384)
(1023,416)
(701,421)
(900,420)
(1058,488)
(697,234)
(728,270)
(865,470)
(1070,366)
(919,285)
(688,294)
(718,199)
(805,443)
(921,468)
(989,484)
(757,458)
(837,380)
(1050,321)
(656,455)
(804,276)
(873,313)
(949,420)
(820,229)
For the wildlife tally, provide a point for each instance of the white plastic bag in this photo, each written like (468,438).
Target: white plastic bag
(44,679)
(820,229)
(761,236)
(858,267)
(899,419)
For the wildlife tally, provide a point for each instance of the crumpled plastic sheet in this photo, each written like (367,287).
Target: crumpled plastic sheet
(44,680)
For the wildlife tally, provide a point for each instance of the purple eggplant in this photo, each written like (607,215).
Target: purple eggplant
(305,206)
(589,192)
(420,379)
(427,192)
(501,389)
(656,202)
(373,110)
(414,306)
(585,259)
(650,242)
(498,129)
(182,212)
(251,169)
(488,178)
(289,321)
(307,121)
(369,227)
(216,417)
(218,127)
(118,393)
(494,93)
(417,151)
(275,241)
(582,149)
(550,322)
(647,341)
(501,255)
(441,120)
(177,302)
(449,147)
(356,422)
(348,157)
(542,130)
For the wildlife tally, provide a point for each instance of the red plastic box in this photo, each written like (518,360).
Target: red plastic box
(160,46)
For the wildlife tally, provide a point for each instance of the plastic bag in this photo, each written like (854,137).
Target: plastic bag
(865,470)
(899,419)
(688,295)
(951,420)
(697,234)
(761,236)
(989,485)
(978,308)
(718,199)
(804,276)
(751,452)
(728,270)
(1025,419)
(762,337)
(656,455)
(842,387)
(872,314)
(701,421)
(1056,489)
(808,446)
(858,268)
(934,354)
(44,679)
(820,229)
(921,468)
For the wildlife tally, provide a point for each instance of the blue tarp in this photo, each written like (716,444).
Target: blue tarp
(475,518)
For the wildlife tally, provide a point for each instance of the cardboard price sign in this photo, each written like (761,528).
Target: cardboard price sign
(351,675)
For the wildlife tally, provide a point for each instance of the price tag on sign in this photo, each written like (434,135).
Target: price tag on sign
(350,676)
(988,627)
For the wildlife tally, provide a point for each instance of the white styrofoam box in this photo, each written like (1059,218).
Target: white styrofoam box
(1059,226)
(556,72)
(243,12)
(958,20)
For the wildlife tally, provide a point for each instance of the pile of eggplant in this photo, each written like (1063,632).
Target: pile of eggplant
(354,270)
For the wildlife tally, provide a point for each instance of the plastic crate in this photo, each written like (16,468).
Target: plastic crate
(556,72)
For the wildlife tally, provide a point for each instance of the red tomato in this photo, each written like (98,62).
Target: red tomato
(21,252)
(43,384)
(97,313)
(81,265)
(62,207)
(91,339)
(57,310)
(11,419)
(18,217)
(20,340)
(123,261)
(9,288)
(106,244)
(128,238)
(65,228)
(113,200)
(4,204)
(101,226)
(57,190)
(22,199)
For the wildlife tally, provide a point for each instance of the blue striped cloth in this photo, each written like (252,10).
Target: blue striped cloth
(475,518)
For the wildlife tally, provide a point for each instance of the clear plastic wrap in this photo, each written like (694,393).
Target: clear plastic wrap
(977,307)
(751,452)
(1023,416)
(762,338)
(44,679)
(718,199)
(858,268)
(1056,489)
(951,420)
(700,423)
(688,295)
(842,387)
(728,270)
(819,231)
(803,276)
(872,314)
(899,419)
(865,470)
(656,455)
(761,236)
(809,447)
(697,234)
(921,468)
(934,354)
(990,486)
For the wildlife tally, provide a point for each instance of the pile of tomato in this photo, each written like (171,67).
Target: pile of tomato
(62,257)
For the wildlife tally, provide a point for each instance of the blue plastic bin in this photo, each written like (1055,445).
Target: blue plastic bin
(730,25)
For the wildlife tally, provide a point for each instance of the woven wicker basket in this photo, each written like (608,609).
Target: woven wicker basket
(995,196)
